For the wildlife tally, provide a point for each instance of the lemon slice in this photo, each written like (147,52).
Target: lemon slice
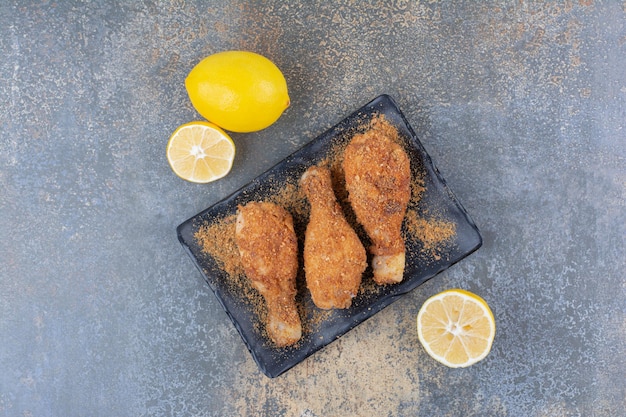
(456,327)
(200,152)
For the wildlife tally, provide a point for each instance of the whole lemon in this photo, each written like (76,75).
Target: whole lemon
(239,91)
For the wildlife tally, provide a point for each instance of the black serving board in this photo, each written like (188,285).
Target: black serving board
(321,328)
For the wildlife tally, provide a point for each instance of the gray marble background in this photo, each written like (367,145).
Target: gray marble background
(522,106)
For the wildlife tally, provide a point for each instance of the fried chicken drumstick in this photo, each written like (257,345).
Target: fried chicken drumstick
(334,257)
(378,180)
(268,247)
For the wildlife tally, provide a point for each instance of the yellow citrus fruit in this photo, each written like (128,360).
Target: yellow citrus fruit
(239,91)
(200,152)
(456,327)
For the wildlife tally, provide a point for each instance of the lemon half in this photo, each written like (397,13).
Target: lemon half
(200,152)
(456,328)
(239,91)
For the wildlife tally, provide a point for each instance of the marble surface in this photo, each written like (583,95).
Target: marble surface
(522,106)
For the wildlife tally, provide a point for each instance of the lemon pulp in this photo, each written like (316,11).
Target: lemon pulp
(200,152)
(456,328)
